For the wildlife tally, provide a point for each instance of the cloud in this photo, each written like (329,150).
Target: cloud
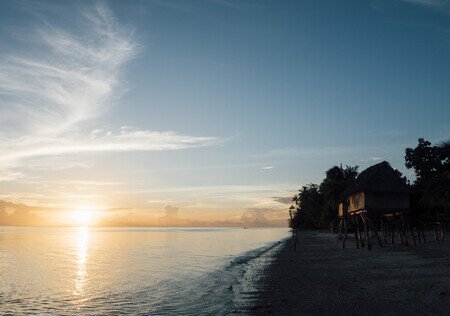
(170,217)
(241,5)
(70,77)
(126,140)
(19,214)
(306,151)
(216,190)
(442,6)
(261,216)
(283,200)
(373,158)
(433,3)
(13,214)
(10,175)
(49,96)
(171,211)
(252,217)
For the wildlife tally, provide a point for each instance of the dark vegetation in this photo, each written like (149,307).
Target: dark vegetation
(316,206)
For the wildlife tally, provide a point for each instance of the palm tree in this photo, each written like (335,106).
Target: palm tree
(291,216)
(337,180)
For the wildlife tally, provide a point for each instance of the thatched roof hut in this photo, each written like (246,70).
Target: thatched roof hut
(377,190)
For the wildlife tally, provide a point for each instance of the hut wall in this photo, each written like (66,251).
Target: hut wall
(387,201)
(341,210)
(356,202)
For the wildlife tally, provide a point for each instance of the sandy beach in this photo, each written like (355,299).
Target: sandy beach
(322,278)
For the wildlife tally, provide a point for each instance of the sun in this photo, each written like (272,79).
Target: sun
(82,216)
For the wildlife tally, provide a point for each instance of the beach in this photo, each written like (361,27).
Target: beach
(320,277)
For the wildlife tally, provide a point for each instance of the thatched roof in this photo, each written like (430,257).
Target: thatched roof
(378,178)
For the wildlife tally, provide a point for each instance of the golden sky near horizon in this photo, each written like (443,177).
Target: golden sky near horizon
(69,155)
(207,113)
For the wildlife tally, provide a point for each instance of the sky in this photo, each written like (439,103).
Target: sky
(208,112)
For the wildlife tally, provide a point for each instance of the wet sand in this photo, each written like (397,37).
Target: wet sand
(321,278)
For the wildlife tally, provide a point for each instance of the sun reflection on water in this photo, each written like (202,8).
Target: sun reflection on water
(82,243)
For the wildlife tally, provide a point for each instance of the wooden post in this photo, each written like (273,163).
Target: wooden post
(413,235)
(367,227)
(345,232)
(405,228)
(361,236)
(392,231)
(356,231)
(366,230)
(376,234)
(435,230)
(383,228)
(397,229)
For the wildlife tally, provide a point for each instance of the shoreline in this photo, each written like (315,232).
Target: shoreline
(322,278)
(251,268)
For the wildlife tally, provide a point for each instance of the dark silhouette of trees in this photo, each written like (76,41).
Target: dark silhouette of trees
(431,165)
(337,180)
(316,205)
(425,160)
(309,203)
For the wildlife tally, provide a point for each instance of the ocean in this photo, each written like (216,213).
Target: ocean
(132,271)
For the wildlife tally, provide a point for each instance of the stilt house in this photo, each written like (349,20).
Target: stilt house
(379,190)
(378,201)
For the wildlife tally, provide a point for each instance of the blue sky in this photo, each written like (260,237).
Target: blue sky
(211,108)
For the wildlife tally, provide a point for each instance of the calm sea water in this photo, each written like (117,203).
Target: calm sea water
(138,271)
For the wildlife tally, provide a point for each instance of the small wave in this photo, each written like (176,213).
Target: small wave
(229,290)
(253,266)
(253,254)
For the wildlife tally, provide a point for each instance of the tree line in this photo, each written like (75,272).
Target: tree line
(316,205)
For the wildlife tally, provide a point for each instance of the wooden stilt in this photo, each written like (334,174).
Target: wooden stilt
(435,230)
(345,232)
(376,235)
(398,230)
(366,231)
(413,236)
(392,232)
(423,236)
(360,229)
(383,230)
(356,231)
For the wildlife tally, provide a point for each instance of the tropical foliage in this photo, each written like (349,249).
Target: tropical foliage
(431,165)
(315,206)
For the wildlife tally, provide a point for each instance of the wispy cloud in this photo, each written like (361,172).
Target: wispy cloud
(307,151)
(373,159)
(441,6)
(433,3)
(47,96)
(283,199)
(241,5)
(16,149)
(263,216)
(69,77)
(10,175)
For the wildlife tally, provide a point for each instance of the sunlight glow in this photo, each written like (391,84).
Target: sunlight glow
(82,242)
(82,216)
